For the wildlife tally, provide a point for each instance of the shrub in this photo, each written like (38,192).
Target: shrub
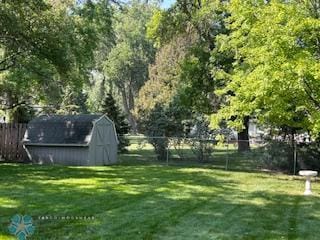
(200,145)
(161,123)
(309,155)
(278,155)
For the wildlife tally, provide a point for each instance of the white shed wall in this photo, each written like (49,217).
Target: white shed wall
(77,156)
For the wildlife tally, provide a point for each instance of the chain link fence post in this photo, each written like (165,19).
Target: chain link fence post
(168,146)
(227,156)
(294,157)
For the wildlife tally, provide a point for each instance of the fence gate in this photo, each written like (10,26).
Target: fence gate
(11,149)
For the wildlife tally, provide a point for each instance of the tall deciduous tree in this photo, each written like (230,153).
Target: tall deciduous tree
(126,66)
(164,76)
(157,110)
(197,76)
(46,46)
(204,20)
(276,73)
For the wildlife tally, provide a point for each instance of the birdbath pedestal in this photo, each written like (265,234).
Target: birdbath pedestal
(308,174)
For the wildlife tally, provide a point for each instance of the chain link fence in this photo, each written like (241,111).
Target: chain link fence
(258,155)
(193,151)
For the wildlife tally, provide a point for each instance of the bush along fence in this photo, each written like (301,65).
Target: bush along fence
(11,148)
(292,156)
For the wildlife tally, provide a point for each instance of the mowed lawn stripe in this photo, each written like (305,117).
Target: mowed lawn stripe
(158,202)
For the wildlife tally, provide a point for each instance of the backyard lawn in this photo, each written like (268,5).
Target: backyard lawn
(153,201)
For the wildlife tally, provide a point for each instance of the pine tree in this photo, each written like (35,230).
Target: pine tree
(110,108)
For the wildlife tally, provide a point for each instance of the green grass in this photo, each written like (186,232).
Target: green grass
(132,201)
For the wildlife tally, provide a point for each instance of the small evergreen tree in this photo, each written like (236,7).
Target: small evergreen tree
(161,123)
(110,108)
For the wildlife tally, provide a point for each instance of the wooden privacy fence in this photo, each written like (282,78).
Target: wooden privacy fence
(11,149)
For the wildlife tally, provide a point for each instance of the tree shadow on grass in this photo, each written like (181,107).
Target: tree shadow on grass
(43,191)
(153,202)
(277,217)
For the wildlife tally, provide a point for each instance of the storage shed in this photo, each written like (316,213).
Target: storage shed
(83,140)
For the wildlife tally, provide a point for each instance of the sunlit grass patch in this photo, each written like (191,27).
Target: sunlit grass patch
(158,202)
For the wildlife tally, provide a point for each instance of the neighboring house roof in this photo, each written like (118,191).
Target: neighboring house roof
(60,129)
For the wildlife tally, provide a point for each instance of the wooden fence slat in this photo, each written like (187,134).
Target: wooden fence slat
(19,147)
(1,139)
(4,141)
(6,137)
(15,141)
(9,142)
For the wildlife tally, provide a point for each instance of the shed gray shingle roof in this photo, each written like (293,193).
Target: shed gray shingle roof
(60,129)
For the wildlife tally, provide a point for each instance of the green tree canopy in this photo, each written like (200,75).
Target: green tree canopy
(276,73)
(47,45)
(164,76)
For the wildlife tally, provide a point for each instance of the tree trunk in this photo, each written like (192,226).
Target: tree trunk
(131,105)
(243,137)
(292,157)
(102,89)
(127,110)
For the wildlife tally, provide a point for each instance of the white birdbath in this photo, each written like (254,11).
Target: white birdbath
(308,174)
